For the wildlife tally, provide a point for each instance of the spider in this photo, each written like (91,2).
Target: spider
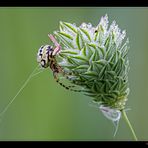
(46,57)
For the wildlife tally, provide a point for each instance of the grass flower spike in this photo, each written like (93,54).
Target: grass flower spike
(95,59)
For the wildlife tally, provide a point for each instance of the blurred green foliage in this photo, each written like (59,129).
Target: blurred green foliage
(46,111)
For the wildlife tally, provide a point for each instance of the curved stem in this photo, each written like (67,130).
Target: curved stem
(129,124)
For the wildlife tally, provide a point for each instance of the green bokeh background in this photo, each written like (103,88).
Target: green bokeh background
(46,111)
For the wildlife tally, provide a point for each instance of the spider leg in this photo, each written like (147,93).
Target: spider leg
(58,80)
(66,87)
(67,76)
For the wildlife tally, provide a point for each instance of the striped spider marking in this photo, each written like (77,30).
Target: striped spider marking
(46,57)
